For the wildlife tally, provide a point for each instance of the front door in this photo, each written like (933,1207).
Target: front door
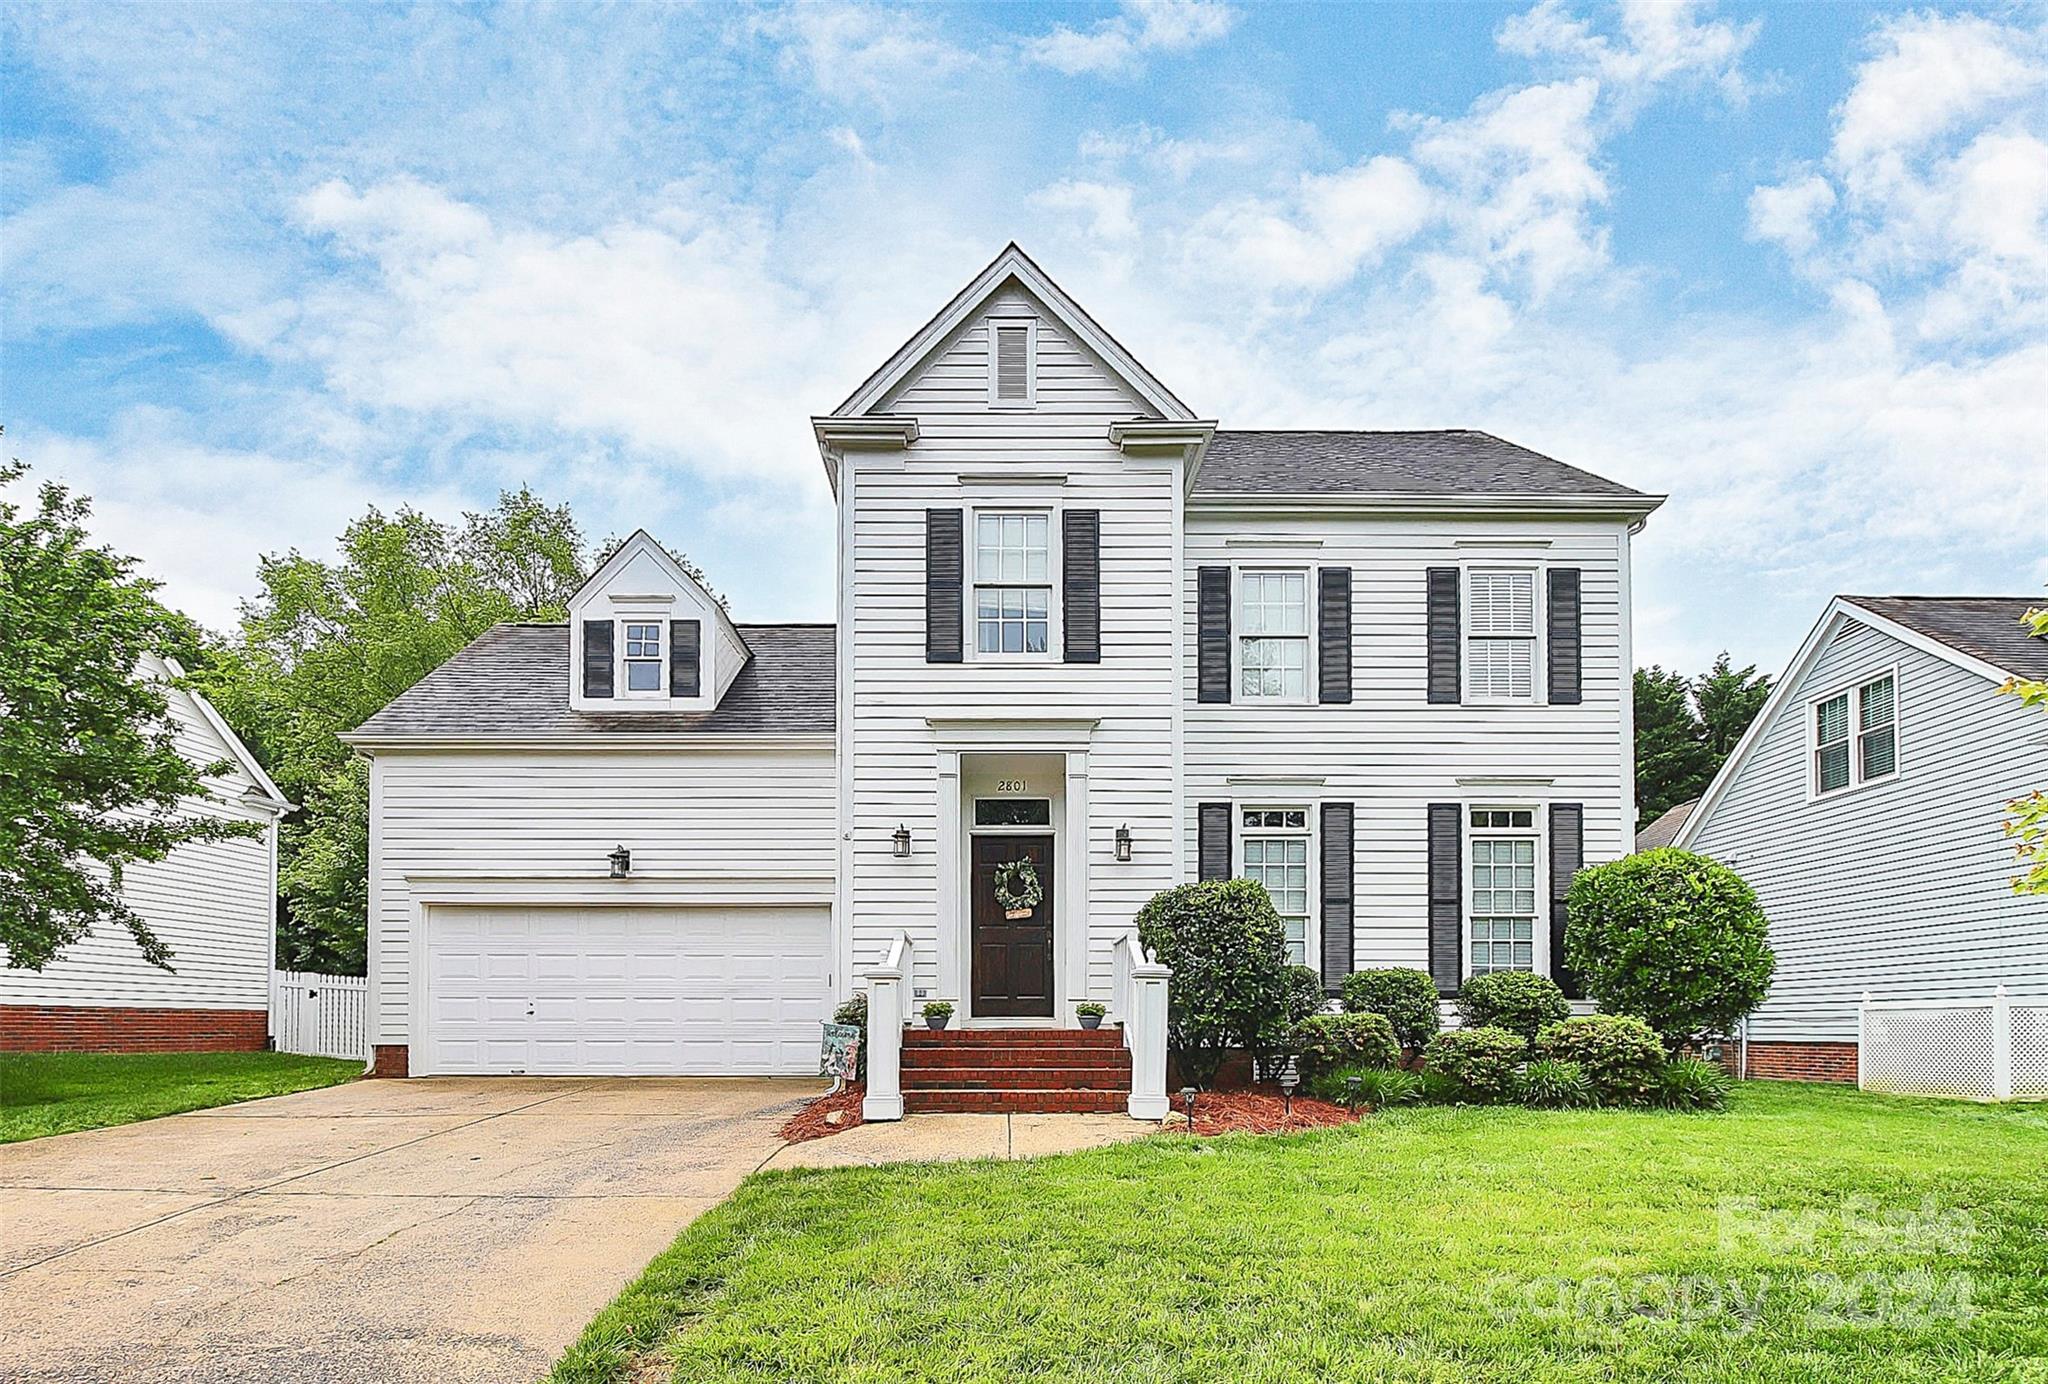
(1012,956)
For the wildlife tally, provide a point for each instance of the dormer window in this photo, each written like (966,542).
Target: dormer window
(1013,362)
(643,657)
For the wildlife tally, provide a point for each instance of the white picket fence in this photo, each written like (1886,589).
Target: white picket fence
(1988,1049)
(321,1016)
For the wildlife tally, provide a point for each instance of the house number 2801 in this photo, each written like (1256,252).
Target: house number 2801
(1010,785)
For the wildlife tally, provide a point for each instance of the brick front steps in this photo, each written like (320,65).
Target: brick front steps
(1015,1071)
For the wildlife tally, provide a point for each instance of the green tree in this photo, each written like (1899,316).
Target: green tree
(93,780)
(1686,727)
(2028,824)
(1728,700)
(326,645)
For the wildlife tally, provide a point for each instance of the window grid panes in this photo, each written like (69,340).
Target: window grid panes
(643,657)
(1877,735)
(1274,849)
(1013,583)
(1502,908)
(1272,622)
(1500,630)
(1859,744)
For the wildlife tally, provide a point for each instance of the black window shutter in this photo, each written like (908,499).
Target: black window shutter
(1337,873)
(1442,614)
(1446,898)
(1333,635)
(1567,855)
(685,657)
(597,658)
(1212,648)
(1564,636)
(1212,841)
(1081,584)
(944,536)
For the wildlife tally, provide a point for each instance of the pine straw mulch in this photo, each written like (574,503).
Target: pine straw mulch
(826,1116)
(1256,1112)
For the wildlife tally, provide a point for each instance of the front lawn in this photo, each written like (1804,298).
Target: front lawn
(57,1092)
(1811,1233)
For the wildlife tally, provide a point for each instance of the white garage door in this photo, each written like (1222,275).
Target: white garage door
(625,991)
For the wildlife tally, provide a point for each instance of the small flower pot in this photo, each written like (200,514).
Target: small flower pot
(935,1022)
(1090,1020)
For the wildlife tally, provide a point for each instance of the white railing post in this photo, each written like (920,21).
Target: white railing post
(2001,1045)
(1141,1005)
(886,1012)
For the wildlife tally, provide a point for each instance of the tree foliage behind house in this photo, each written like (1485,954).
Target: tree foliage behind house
(2027,827)
(93,780)
(1685,728)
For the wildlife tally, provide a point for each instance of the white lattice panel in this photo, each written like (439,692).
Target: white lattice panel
(2030,1051)
(1928,1051)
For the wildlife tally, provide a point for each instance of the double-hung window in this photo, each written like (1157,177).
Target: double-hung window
(1012,583)
(643,656)
(1272,638)
(1856,736)
(1500,634)
(1273,844)
(1501,921)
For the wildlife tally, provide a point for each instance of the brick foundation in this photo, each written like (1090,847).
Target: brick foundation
(73,1028)
(1799,1061)
(390,1059)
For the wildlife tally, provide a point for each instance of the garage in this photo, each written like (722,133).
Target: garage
(625,991)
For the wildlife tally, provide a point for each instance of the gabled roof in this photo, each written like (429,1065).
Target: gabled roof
(507,685)
(266,794)
(1971,619)
(1012,263)
(1987,628)
(1664,830)
(1458,462)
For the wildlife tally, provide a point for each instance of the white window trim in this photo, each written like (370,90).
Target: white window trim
(1853,690)
(1030,326)
(1311,832)
(620,684)
(1055,612)
(1311,672)
(1539,673)
(1538,831)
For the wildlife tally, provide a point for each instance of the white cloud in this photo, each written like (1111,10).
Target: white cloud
(1107,206)
(1118,46)
(1662,41)
(1788,213)
(1320,233)
(1929,73)
(862,53)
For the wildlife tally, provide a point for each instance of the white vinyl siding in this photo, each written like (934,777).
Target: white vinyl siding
(1899,887)
(1500,634)
(1272,636)
(1273,849)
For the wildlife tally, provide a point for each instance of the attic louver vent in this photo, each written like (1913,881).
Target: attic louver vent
(1013,364)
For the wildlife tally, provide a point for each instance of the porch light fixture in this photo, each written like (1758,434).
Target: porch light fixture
(1187,1096)
(1123,845)
(622,862)
(901,842)
(1289,1079)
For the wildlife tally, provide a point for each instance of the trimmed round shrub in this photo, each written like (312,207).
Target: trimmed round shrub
(1619,1054)
(1326,1042)
(1407,998)
(1228,951)
(1483,1064)
(1305,994)
(1673,937)
(1377,1088)
(1551,1083)
(1687,1083)
(1518,1001)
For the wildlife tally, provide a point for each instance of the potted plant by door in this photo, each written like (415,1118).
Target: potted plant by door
(1090,1013)
(1018,891)
(938,1013)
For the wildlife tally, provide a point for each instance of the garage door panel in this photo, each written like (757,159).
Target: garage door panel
(627,991)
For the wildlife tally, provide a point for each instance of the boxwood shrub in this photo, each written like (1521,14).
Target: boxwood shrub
(1407,998)
(1325,1042)
(1484,1064)
(1518,1001)
(1228,951)
(1621,1055)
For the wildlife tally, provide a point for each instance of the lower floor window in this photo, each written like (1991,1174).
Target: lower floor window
(1502,917)
(1273,844)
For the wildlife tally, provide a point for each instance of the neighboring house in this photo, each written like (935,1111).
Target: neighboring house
(213,903)
(1386,674)
(1865,805)
(1664,830)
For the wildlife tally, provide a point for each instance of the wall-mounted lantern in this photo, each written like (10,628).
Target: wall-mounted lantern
(622,862)
(901,842)
(1123,844)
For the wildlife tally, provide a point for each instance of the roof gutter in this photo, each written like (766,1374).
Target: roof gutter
(1428,502)
(370,744)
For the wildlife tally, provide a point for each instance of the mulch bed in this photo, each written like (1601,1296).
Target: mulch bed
(826,1116)
(1256,1112)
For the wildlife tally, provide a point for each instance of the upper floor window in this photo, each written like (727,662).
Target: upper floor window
(643,657)
(1272,640)
(1500,635)
(1501,922)
(1013,362)
(1855,738)
(1273,844)
(1012,583)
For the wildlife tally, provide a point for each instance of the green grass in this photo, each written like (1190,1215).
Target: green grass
(58,1092)
(1425,1244)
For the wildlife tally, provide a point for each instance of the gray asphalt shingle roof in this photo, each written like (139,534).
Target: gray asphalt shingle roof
(513,680)
(1986,627)
(1664,830)
(1455,462)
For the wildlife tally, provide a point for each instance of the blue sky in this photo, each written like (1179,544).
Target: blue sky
(266,266)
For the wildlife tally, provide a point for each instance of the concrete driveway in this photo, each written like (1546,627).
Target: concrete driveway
(441,1229)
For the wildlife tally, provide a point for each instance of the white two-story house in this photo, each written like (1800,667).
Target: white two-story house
(1088,645)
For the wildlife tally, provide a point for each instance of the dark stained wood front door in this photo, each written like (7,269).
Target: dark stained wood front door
(1012,956)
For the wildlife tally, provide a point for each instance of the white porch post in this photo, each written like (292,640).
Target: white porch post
(1141,1007)
(886,1001)
(2001,1045)
(1073,919)
(947,847)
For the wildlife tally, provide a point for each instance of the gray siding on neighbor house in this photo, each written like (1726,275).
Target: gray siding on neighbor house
(1901,887)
